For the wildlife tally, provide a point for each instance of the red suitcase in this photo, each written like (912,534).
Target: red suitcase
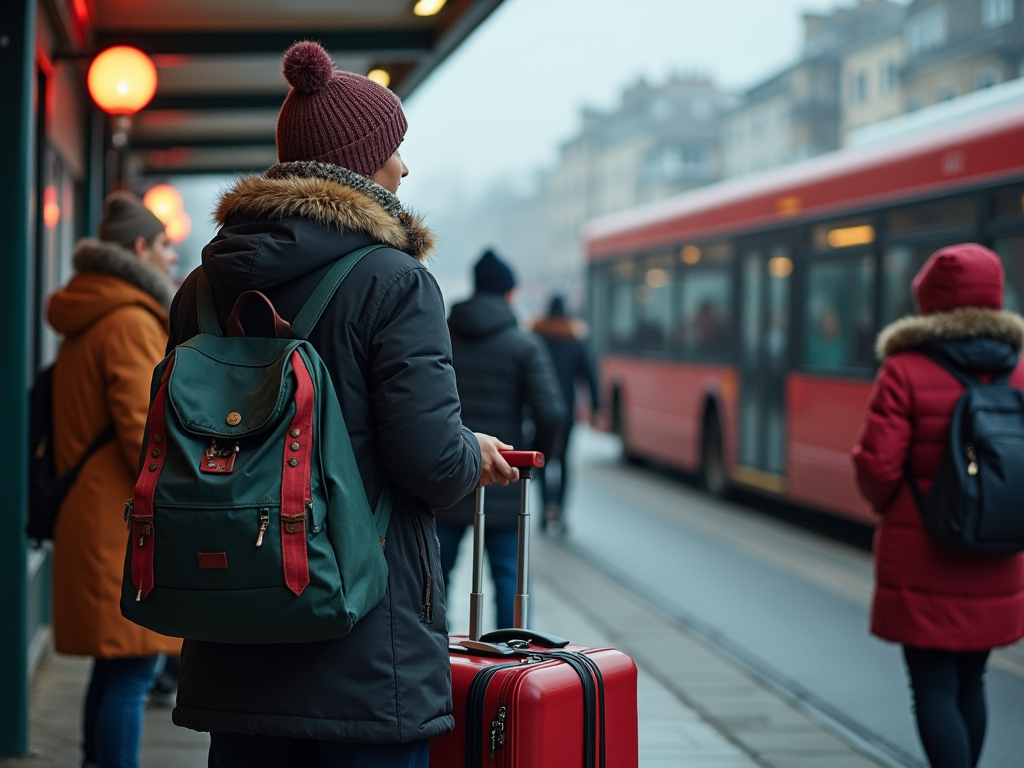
(526,699)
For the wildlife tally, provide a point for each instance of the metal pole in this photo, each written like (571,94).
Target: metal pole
(522,602)
(476,597)
(17,62)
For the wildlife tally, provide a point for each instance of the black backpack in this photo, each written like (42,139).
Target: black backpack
(46,489)
(976,504)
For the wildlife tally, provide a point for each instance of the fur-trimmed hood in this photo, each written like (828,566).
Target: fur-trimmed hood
(328,195)
(560,328)
(961,324)
(90,294)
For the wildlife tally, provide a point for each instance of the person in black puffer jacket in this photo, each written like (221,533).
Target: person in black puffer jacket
(377,695)
(504,376)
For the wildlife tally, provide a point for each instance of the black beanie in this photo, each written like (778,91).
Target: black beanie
(125,218)
(493,275)
(557,306)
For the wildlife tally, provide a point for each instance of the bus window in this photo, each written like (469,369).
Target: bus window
(654,305)
(703,327)
(597,308)
(940,214)
(622,318)
(1008,203)
(900,264)
(1011,251)
(839,314)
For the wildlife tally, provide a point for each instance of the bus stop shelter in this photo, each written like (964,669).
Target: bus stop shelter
(218,93)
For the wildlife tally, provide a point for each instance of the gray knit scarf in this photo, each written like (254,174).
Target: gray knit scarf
(314,169)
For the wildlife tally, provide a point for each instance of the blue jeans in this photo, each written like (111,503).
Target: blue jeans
(239,750)
(501,552)
(114,704)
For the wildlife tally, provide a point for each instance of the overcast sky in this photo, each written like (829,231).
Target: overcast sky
(503,102)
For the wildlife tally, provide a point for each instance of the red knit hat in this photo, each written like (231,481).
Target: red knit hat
(336,117)
(964,275)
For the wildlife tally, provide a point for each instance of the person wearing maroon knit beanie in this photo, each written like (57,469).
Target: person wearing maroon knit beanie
(377,695)
(336,117)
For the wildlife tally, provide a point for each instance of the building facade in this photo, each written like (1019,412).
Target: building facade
(954,47)
(660,141)
(798,113)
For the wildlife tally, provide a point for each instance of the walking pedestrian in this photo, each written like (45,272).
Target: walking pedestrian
(113,316)
(377,695)
(948,609)
(504,376)
(574,366)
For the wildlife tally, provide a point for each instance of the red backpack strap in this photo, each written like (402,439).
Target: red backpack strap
(142,520)
(296,491)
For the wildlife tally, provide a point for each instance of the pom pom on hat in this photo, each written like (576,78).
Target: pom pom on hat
(333,116)
(307,66)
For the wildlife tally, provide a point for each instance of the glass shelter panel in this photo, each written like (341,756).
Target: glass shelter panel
(839,314)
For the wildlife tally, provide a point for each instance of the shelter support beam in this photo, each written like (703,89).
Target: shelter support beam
(17,62)
(404,43)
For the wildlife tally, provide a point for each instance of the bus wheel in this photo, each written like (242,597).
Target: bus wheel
(713,477)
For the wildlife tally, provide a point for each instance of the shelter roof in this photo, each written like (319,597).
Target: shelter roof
(219,63)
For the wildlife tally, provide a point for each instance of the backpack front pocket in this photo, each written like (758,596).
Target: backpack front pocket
(217,548)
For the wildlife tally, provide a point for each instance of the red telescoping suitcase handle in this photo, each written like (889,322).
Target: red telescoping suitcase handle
(525,461)
(528,459)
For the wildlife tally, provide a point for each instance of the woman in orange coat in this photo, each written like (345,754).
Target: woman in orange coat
(113,316)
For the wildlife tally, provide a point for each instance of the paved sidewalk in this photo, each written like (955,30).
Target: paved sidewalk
(696,708)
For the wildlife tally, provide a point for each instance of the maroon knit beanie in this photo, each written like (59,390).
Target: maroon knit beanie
(963,275)
(336,117)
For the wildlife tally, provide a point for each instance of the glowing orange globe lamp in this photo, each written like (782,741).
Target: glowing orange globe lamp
(164,201)
(122,80)
(179,227)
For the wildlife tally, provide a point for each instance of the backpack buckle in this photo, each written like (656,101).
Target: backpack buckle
(218,460)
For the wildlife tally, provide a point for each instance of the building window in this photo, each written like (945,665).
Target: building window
(946,91)
(757,125)
(888,78)
(986,77)
(926,31)
(996,13)
(859,87)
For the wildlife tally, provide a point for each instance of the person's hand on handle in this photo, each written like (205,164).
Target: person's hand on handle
(493,468)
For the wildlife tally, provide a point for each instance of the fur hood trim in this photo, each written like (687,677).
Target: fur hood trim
(560,328)
(959,323)
(329,202)
(107,258)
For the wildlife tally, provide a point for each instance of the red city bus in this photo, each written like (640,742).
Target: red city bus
(736,324)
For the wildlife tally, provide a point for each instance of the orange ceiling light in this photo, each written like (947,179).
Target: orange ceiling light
(122,80)
(428,7)
(164,201)
(51,208)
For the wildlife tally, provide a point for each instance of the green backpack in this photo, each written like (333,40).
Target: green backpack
(250,522)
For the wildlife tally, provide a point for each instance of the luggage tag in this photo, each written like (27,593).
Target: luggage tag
(217,460)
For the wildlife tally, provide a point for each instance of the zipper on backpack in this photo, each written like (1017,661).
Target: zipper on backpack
(972,459)
(264,524)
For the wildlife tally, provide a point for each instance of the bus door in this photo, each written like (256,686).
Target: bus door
(766,266)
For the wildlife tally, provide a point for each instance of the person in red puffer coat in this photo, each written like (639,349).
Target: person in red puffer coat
(947,609)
